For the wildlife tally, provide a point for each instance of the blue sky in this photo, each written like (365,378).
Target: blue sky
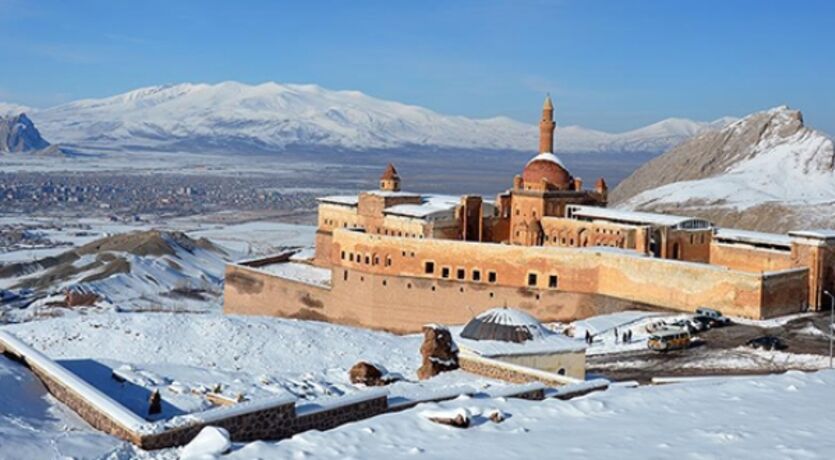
(611,65)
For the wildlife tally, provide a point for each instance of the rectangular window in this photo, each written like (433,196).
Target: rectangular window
(351,257)
(345,275)
(491,277)
(343,255)
(445,272)
(461,273)
(429,268)
(532,279)
(476,275)
(552,281)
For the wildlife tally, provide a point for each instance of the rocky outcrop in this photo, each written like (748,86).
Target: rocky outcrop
(439,352)
(369,375)
(18,134)
(767,171)
(80,299)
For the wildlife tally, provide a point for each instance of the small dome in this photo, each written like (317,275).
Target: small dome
(505,325)
(546,166)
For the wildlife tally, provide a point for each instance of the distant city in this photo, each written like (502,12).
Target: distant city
(124,196)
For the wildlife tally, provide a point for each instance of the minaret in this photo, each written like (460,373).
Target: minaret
(546,127)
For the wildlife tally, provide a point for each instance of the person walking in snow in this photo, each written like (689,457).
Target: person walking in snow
(616,335)
(588,337)
(629,335)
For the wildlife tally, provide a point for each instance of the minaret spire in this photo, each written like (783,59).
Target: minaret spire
(546,127)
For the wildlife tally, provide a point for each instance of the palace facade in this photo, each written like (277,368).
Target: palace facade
(397,260)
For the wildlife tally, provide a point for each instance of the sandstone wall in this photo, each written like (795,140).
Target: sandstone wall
(509,372)
(666,283)
(746,258)
(400,304)
(569,364)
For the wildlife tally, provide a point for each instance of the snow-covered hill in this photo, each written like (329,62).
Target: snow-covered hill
(239,118)
(161,270)
(766,171)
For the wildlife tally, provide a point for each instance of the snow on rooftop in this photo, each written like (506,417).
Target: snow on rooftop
(547,156)
(823,234)
(345,200)
(302,272)
(747,236)
(432,205)
(544,342)
(634,217)
(391,193)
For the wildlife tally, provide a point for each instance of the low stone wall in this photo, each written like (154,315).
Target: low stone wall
(326,419)
(96,418)
(274,422)
(248,421)
(508,372)
(82,398)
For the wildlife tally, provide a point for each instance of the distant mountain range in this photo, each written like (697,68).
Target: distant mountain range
(767,171)
(271,117)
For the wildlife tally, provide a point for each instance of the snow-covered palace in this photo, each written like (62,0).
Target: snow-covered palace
(397,260)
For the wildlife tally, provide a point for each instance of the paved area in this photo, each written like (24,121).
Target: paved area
(723,351)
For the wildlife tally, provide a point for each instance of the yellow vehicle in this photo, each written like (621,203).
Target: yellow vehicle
(669,339)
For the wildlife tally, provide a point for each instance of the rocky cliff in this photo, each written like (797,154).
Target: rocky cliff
(767,171)
(19,134)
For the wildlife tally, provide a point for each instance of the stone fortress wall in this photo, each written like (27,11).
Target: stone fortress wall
(385,282)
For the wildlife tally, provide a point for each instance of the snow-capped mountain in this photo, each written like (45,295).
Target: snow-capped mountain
(239,118)
(7,109)
(19,134)
(766,171)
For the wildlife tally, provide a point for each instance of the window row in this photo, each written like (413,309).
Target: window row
(460,273)
(367,259)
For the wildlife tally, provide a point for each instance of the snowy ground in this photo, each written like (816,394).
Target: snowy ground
(756,418)
(186,356)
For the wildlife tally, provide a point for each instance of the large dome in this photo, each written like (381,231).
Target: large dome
(505,325)
(546,166)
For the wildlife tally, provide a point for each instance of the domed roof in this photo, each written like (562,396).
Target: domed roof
(505,325)
(546,166)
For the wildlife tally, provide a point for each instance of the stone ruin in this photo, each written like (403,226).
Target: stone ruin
(439,352)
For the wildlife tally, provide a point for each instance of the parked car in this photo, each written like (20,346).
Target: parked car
(767,342)
(689,325)
(669,339)
(703,323)
(715,315)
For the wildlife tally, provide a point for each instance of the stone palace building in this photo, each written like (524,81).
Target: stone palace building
(397,260)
